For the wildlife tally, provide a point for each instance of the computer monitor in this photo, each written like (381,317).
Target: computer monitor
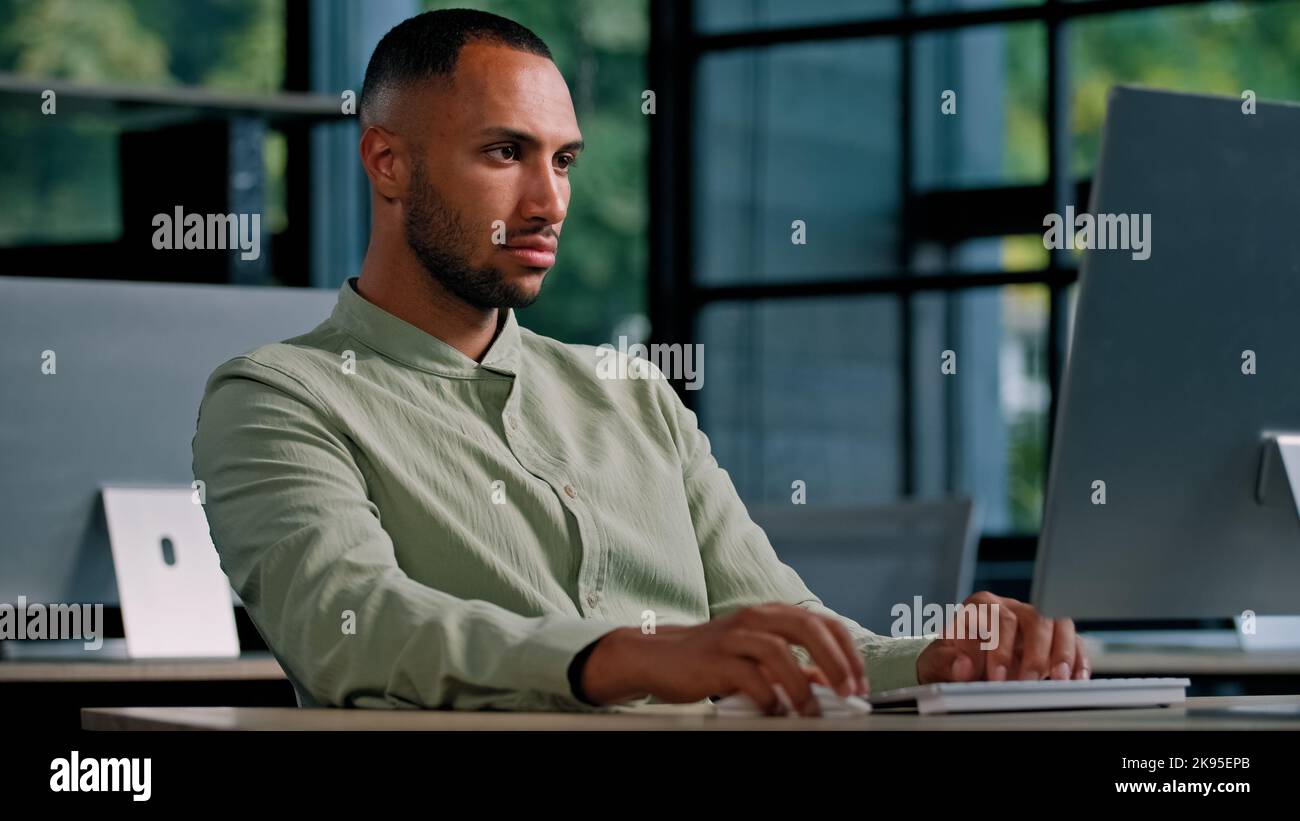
(130,361)
(1180,362)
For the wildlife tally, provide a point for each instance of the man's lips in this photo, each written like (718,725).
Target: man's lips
(536,252)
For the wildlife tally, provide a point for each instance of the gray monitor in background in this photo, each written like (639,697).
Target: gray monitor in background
(131,362)
(1155,402)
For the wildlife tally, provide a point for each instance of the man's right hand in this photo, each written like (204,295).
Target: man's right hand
(747,651)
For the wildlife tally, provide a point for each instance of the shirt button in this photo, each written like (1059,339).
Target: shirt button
(570,492)
(592,598)
(514,422)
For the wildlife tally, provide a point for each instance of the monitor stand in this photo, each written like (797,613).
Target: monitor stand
(1280,448)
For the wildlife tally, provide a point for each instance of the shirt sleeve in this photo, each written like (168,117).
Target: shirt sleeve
(302,545)
(742,570)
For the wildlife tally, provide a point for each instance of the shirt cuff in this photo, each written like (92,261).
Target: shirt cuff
(891,664)
(545,660)
(575,673)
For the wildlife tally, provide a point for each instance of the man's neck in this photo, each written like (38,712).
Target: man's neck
(421,301)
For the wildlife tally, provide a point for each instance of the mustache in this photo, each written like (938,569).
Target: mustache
(544,231)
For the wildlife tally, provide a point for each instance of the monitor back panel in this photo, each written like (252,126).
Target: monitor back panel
(1155,403)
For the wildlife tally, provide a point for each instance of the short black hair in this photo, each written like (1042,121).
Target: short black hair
(428,45)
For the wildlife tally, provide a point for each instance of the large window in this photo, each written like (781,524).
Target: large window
(237,103)
(235,45)
(70,192)
(919,145)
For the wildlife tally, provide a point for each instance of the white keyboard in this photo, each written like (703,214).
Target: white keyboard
(1048,694)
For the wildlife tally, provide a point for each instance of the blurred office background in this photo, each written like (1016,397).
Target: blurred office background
(822,361)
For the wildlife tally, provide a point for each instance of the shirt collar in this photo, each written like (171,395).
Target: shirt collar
(403,342)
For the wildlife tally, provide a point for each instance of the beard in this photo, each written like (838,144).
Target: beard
(442,243)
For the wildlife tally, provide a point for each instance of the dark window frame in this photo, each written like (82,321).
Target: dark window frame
(675,300)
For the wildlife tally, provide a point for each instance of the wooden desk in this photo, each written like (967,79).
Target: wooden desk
(47,695)
(1196,662)
(1197,714)
(249,667)
(262,666)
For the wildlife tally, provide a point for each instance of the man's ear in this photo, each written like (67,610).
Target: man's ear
(383,156)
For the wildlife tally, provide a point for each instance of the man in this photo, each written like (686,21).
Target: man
(423,504)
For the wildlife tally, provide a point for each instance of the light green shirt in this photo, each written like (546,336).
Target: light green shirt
(410,528)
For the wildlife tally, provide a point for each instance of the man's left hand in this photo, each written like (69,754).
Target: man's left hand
(1028,646)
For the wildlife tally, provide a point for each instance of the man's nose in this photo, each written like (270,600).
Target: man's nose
(545,196)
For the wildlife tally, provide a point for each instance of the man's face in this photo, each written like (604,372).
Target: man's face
(499,142)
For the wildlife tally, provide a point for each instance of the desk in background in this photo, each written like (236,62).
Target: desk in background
(1214,672)
(49,694)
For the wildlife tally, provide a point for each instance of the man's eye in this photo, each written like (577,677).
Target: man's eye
(505,152)
(566,161)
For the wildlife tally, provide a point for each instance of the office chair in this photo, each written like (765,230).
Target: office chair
(861,560)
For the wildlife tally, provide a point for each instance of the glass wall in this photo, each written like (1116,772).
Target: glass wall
(919,145)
